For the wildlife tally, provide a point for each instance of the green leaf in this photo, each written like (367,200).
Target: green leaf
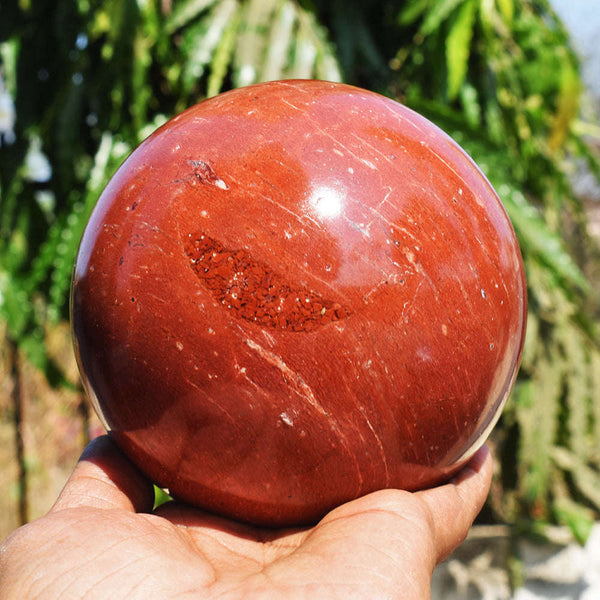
(507,10)
(160,497)
(532,341)
(586,479)
(15,306)
(304,52)
(595,400)
(357,45)
(313,54)
(574,345)
(537,403)
(567,106)
(280,40)
(8,57)
(222,56)
(17,249)
(203,39)
(493,119)
(141,67)
(412,11)
(185,12)
(436,14)
(458,45)
(33,345)
(579,519)
(470,103)
(543,242)
(327,66)
(252,41)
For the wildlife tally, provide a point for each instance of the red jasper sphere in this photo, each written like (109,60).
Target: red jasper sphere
(296,293)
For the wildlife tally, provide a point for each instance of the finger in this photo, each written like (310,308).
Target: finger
(453,507)
(105,478)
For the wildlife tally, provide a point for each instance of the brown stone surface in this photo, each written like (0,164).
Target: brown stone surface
(297,293)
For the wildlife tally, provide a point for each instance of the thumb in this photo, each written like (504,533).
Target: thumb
(104,478)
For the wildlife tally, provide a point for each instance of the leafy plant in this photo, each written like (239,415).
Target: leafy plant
(91,78)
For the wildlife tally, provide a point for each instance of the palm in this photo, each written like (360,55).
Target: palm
(382,545)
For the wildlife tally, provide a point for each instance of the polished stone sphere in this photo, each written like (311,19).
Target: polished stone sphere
(296,293)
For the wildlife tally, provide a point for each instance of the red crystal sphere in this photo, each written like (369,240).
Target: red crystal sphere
(296,293)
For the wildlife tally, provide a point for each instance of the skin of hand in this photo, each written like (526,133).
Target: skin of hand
(101,540)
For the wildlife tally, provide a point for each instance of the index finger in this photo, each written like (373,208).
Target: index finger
(105,478)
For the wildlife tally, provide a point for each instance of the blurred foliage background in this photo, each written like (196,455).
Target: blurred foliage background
(82,82)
